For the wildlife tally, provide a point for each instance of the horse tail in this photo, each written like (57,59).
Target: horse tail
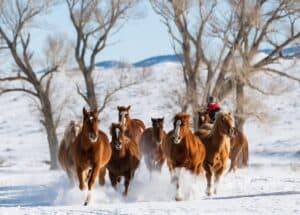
(243,158)
(245,154)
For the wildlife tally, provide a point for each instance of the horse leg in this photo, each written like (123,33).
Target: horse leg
(102,176)
(178,196)
(126,182)
(218,175)
(234,154)
(81,177)
(94,172)
(113,179)
(209,174)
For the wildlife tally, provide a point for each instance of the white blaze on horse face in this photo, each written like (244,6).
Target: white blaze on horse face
(123,119)
(117,132)
(176,133)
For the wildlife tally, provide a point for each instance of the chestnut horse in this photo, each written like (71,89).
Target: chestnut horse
(125,157)
(217,145)
(183,150)
(90,153)
(64,152)
(151,144)
(133,127)
(238,143)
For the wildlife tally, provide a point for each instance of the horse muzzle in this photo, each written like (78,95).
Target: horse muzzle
(93,137)
(118,146)
(176,140)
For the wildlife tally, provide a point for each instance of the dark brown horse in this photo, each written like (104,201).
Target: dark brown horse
(133,127)
(238,143)
(64,152)
(90,152)
(217,145)
(151,144)
(183,150)
(125,157)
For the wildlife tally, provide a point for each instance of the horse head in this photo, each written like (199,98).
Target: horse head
(225,124)
(203,117)
(123,114)
(158,129)
(90,124)
(117,135)
(181,126)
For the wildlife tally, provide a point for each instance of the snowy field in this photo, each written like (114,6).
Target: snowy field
(271,184)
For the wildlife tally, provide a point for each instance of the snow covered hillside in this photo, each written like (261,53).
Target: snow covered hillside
(271,184)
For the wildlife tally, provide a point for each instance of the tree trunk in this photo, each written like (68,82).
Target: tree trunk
(50,127)
(90,88)
(240,118)
(239,111)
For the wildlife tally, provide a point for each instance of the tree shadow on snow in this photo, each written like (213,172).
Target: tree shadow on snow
(282,193)
(28,195)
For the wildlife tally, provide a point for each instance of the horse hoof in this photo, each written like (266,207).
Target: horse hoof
(178,198)
(125,194)
(208,193)
(85,203)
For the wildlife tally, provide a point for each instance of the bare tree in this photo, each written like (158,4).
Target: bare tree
(258,23)
(94,21)
(16,18)
(238,29)
(188,37)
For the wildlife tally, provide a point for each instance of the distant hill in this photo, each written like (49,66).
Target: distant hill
(151,61)
(110,64)
(285,52)
(157,60)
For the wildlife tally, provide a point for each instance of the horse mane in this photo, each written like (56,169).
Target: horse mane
(138,122)
(216,123)
(73,128)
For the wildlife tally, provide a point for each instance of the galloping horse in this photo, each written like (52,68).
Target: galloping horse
(183,150)
(238,143)
(217,145)
(151,144)
(133,127)
(90,152)
(125,157)
(64,152)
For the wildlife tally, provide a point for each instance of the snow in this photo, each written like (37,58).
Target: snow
(270,185)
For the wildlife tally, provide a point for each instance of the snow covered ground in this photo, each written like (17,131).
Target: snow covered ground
(271,184)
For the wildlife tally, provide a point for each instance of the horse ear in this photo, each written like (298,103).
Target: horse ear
(118,107)
(162,119)
(128,107)
(152,120)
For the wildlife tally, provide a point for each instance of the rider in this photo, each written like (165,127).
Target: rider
(212,107)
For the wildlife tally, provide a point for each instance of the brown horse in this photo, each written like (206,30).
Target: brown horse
(238,143)
(151,144)
(64,152)
(217,145)
(125,157)
(90,152)
(133,127)
(183,150)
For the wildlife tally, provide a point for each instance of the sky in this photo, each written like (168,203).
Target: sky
(138,38)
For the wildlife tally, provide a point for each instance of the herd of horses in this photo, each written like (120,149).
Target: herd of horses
(85,152)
